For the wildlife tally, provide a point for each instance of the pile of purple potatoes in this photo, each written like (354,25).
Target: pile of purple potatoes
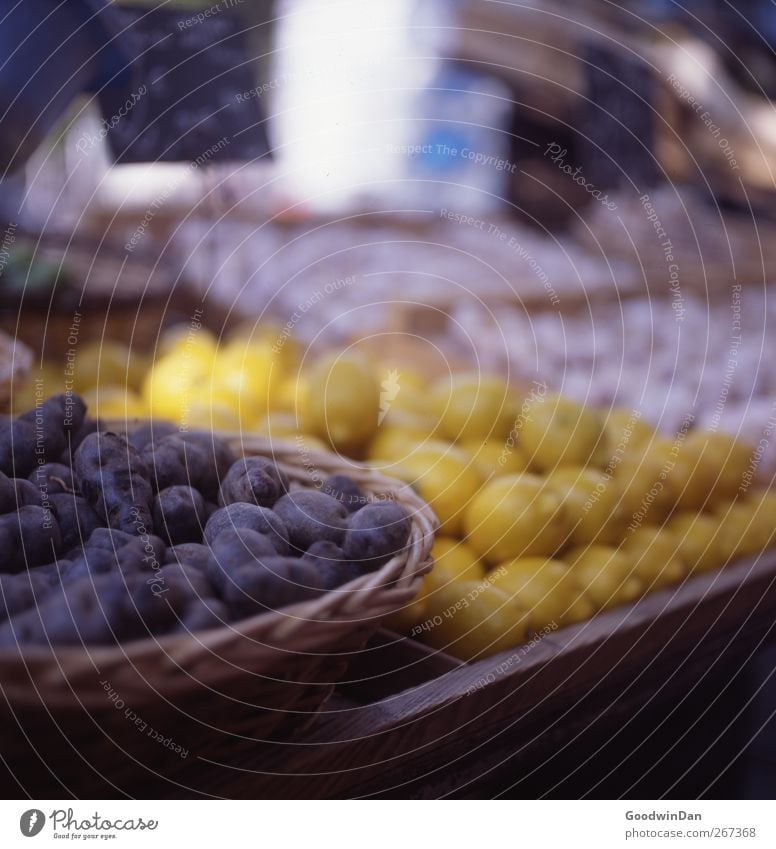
(107,538)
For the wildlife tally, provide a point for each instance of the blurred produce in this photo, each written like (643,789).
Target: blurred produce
(108,541)
(549,509)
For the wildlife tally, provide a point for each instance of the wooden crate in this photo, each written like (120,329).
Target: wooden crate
(414,722)
(104,293)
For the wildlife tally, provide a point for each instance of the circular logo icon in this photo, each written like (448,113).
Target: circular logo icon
(31,822)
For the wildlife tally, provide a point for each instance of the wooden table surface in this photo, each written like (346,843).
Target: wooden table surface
(413,722)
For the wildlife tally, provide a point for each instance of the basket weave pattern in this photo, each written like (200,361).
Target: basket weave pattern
(259,678)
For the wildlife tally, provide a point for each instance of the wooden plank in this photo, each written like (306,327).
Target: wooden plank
(519,706)
(608,665)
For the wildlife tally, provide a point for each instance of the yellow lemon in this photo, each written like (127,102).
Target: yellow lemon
(593,503)
(604,575)
(762,504)
(646,482)
(654,555)
(115,402)
(495,457)
(170,385)
(556,431)
(626,430)
(212,416)
(190,342)
(742,532)
(268,336)
(397,443)
(545,589)
(696,543)
(403,396)
(205,394)
(402,417)
(406,378)
(515,516)
(250,375)
(342,403)
(107,363)
(472,620)
(453,561)
(445,477)
(709,468)
(291,392)
(278,424)
(473,406)
(42,382)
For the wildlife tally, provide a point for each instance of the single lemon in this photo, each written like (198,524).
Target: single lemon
(646,482)
(278,424)
(654,555)
(445,477)
(453,561)
(472,620)
(404,376)
(268,336)
(205,392)
(495,457)
(544,588)
(405,396)
(556,431)
(342,403)
(515,516)
(410,419)
(291,393)
(473,406)
(626,430)
(696,544)
(42,382)
(762,504)
(188,341)
(115,402)
(594,505)
(396,443)
(107,363)
(709,468)
(740,533)
(212,416)
(604,575)
(170,386)
(250,375)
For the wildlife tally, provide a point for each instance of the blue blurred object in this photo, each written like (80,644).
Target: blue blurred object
(51,52)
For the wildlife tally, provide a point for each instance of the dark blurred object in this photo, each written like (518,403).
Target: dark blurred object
(84,288)
(616,135)
(195,95)
(743,33)
(539,190)
(52,52)
(638,93)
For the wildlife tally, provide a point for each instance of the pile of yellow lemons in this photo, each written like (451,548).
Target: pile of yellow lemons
(549,510)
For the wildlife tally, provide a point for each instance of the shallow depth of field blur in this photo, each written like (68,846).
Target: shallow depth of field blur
(520,257)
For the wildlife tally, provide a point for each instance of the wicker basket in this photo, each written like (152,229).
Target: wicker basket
(135,708)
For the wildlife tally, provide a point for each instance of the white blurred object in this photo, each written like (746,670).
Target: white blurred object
(351,102)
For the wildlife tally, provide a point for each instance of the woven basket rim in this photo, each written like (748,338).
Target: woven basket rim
(361,601)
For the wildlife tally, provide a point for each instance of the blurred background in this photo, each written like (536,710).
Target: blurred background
(576,193)
(451,155)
